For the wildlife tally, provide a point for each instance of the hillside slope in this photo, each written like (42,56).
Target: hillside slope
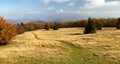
(65,46)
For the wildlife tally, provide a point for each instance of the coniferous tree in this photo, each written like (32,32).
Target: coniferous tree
(118,23)
(22,24)
(56,26)
(90,28)
(47,26)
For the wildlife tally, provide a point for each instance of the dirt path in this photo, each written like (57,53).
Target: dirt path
(68,44)
(64,42)
(35,35)
(76,55)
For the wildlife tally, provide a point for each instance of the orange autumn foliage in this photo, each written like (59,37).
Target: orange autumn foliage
(20,29)
(30,26)
(7,32)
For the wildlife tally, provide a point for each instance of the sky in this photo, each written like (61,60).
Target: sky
(49,10)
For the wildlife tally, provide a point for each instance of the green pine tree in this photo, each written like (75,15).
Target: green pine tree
(56,26)
(91,27)
(118,23)
(22,24)
(47,26)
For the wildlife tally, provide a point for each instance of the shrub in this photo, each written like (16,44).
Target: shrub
(99,26)
(90,28)
(30,26)
(56,26)
(118,23)
(47,26)
(20,29)
(7,32)
(36,27)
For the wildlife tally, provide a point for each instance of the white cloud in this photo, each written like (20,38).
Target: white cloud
(94,3)
(50,8)
(60,11)
(31,12)
(113,3)
(58,1)
(107,12)
(71,4)
(79,12)
(95,13)
(46,1)
(61,1)
(100,3)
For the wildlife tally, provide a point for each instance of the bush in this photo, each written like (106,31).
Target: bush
(7,32)
(20,29)
(90,28)
(56,26)
(30,26)
(47,26)
(99,26)
(118,23)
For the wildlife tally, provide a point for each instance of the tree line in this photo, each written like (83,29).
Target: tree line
(99,22)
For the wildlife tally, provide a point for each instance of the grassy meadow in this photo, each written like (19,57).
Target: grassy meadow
(63,46)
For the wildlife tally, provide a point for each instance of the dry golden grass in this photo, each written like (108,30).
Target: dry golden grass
(45,44)
(108,39)
(26,45)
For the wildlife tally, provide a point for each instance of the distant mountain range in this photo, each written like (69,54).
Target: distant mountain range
(23,20)
(65,17)
(54,18)
(37,22)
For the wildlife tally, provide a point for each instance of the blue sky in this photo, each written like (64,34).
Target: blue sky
(51,9)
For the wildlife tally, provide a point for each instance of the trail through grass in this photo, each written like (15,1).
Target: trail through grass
(35,35)
(65,46)
(83,56)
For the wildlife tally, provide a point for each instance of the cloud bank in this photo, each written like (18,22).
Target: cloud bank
(100,3)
